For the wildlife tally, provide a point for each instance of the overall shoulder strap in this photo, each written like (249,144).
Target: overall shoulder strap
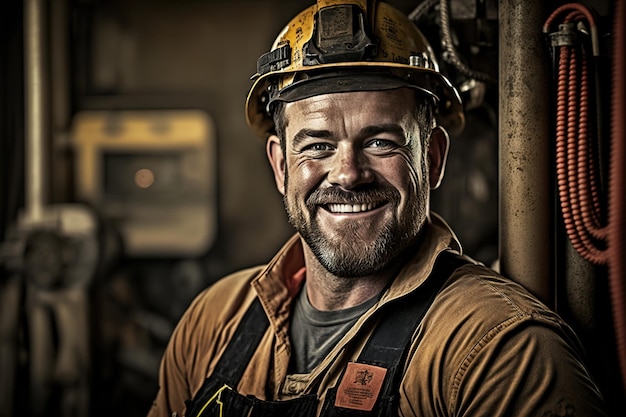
(238,353)
(233,362)
(388,346)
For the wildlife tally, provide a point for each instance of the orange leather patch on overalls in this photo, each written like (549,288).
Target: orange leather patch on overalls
(360,386)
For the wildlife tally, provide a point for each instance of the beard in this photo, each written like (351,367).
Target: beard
(347,253)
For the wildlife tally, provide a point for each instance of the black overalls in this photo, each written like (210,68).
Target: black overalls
(367,387)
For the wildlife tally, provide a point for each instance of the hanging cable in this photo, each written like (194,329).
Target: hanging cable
(422,9)
(597,240)
(575,158)
(450,53)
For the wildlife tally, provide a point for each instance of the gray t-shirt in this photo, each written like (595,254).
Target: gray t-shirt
(314,333)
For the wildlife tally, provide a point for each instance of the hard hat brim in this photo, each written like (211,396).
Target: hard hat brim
(265,90)
(341,82)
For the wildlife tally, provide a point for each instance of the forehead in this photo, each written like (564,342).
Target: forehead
(385,106)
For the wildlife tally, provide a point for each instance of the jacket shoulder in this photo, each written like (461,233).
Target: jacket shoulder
(487,343)
(484,294)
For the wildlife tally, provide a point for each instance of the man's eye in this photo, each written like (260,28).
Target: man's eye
(317,147)
(381,144)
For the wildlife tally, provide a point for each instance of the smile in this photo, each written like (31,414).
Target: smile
(351,208)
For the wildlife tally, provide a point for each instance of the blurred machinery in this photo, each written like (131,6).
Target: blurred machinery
(45,310)
(51,256)
(78,334)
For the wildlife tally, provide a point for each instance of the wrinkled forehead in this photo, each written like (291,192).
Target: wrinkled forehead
(345,114)
(385,106)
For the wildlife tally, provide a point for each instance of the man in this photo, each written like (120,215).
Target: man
(366,311)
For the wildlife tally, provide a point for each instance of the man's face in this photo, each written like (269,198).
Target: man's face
(355,177)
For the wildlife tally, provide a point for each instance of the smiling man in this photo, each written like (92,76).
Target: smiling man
(370,309)
(356,186)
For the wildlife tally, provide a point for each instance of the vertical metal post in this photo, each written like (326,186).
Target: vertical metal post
(526,240)
(35,89)
(576,301)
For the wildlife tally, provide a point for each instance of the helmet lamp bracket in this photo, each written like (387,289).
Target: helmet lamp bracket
(274,60)
(340,34)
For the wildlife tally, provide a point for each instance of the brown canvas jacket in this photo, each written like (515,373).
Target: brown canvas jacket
(486,347)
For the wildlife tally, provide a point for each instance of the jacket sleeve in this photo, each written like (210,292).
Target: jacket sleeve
(198,339)
(174,386)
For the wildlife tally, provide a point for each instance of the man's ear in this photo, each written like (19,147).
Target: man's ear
(438,155)
(277,160)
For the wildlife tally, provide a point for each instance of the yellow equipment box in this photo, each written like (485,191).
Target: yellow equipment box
(153,174)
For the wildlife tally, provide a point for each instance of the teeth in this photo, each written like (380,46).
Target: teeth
(350,208)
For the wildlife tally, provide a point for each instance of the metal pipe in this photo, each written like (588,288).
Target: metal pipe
(36,119)
(576,300)
(525,238)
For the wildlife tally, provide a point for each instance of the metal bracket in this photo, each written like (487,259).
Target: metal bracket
(340,34)
(565,36)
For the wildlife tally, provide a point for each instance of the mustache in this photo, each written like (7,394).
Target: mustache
(371,194)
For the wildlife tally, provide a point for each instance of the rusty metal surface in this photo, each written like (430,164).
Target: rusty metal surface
(525,209)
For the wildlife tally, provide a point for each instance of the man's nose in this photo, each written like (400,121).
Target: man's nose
(350,168)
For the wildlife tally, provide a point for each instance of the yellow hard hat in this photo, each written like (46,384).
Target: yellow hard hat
(348,45)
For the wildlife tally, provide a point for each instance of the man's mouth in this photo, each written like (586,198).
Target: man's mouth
(352,208)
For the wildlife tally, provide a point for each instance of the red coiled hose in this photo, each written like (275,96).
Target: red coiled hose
(596,240)
(575,164)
